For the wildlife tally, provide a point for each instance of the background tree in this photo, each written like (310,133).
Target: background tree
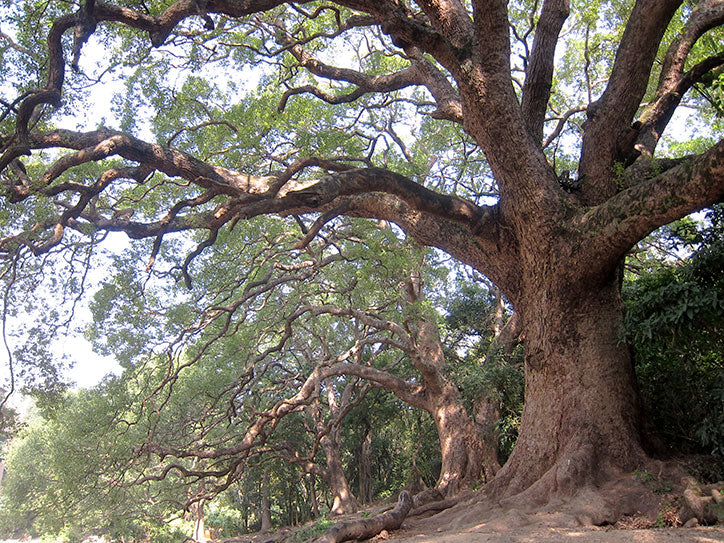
(68,475)
(296,326)
(553,244)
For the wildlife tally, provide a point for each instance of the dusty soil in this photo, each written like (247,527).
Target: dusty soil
(514,526)
(586,517)
(536,530)
(482,534)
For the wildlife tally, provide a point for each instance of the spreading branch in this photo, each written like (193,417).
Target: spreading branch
(610,117)
(539,76)
(674,81)
(616,225)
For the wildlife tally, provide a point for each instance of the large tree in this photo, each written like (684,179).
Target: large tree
(483,75)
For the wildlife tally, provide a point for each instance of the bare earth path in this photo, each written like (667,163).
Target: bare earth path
(479,522)
(502,531)
(561,535)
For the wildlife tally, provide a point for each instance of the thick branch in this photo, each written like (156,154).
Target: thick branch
(452,19)
(613,227)
(673,81)
(370,527)
(539,77)
(160,27)
(105,143)
(605,139)
(427,215)
(408,29)
(705,16)
(410,394)
(362,180)
(421,72)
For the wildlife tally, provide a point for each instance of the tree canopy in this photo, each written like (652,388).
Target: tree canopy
(240,141)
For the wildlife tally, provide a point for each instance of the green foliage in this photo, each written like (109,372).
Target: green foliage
(8,425)
(224,518)
(482,372)
(309,533)
(67,475)
(674,319)
(656,484)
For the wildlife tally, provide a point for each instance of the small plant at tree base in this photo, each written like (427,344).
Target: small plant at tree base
(309,533)
(655,484)
(668,516)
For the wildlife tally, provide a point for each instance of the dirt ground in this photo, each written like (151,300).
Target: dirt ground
(478,521)
(515,527)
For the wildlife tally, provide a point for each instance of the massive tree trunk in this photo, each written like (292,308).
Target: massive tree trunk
(581,416)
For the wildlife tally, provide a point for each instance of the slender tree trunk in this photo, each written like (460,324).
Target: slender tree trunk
(466,457)
(266,522)
(581,415)
(246,517)
(314,506)
(365,468)
(197,512)
(343,500)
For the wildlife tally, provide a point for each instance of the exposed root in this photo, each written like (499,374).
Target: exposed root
(426,496)
(702,503)
(440,505)
(369,527)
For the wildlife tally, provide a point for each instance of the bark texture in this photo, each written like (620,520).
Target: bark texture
(581,412)
(370,527)
(265,506)
(365,468)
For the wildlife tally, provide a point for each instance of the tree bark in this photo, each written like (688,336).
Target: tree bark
(369,527)
(466,457)
(266,521)
(314,505)
(365,468)
(197,512)
(581,414)
(343,500)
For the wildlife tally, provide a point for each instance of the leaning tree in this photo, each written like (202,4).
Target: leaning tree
(500,97)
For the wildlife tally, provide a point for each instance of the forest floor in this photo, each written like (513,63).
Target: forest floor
(519,530)
(480,520)
(481,523)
